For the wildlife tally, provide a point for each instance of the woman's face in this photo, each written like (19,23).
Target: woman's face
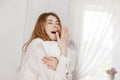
(52,26)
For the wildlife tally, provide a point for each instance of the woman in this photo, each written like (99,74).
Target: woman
(46,54)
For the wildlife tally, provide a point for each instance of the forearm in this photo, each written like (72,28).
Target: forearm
(63,51)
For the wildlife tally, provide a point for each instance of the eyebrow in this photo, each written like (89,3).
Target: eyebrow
(52,20)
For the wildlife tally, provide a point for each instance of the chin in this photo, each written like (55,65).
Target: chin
(53,39)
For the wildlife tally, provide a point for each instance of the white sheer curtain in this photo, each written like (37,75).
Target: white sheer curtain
(94,25)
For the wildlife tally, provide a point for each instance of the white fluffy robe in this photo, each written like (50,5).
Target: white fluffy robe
(32,67)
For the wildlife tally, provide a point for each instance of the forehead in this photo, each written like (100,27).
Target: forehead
(51,18)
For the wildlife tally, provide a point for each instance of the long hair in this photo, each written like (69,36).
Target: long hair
(39,30)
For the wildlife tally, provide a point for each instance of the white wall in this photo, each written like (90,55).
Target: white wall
(12,19)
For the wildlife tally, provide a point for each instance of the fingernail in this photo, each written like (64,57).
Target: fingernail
(56,33)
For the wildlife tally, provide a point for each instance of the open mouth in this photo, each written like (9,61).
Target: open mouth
(53,32)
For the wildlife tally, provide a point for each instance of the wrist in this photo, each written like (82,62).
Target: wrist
(64,53)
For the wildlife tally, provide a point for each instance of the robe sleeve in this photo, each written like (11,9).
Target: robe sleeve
(65,67)
(32,66)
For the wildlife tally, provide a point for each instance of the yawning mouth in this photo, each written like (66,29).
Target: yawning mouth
(53,32)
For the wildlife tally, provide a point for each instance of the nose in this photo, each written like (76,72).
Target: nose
(55,26)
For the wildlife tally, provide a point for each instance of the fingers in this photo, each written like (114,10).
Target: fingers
(51,67)
(63,41)
(57,35)
(51,62)
(47,60)
(64,33)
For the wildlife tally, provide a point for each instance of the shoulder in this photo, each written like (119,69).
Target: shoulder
(35,45)
(37,41)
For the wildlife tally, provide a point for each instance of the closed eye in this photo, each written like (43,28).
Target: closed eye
(49,22)
(57,23)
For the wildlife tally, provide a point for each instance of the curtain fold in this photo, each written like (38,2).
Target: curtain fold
(95,25)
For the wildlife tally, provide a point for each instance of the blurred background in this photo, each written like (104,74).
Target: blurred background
(94,28)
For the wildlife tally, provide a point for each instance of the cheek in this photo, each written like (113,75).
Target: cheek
(47,28)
